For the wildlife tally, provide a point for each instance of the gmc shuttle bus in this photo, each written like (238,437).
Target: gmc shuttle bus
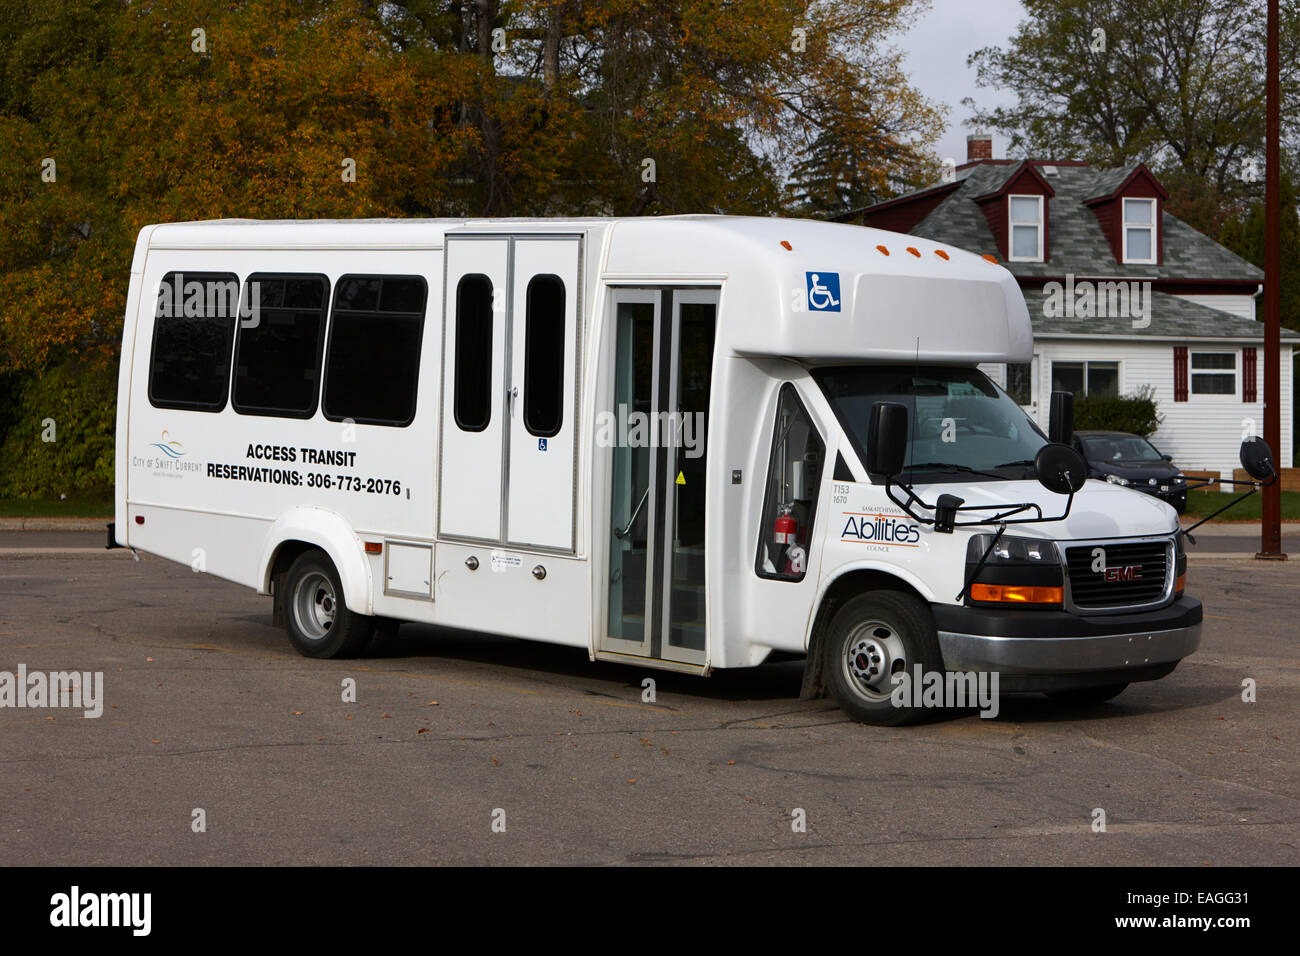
(685,443)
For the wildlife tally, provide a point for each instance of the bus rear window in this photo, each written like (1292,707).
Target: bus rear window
(194,326)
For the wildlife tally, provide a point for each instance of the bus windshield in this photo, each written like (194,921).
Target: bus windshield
(959,421)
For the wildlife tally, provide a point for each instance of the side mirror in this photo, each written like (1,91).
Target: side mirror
(1060,418)
(1167,457)
(1257,459)
(887,439)
(1060,468)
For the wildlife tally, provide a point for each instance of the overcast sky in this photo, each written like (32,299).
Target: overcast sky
(937,47)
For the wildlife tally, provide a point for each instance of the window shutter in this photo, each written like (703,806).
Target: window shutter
(1180,373)
(1249,392)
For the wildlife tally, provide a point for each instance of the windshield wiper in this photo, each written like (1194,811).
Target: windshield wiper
(1023,463)
(935,465)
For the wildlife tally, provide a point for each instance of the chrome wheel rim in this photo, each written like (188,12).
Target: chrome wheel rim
(873,653)
(314,606)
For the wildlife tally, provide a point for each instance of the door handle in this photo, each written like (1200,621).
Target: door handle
(636,511)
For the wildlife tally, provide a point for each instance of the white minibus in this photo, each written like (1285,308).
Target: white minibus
(689,442)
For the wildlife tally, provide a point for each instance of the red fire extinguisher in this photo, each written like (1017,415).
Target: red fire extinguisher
(787,529)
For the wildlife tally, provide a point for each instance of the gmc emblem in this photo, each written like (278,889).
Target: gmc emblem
(1132,572)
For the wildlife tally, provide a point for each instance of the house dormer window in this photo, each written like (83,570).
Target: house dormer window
(1025,222)
(1140,231)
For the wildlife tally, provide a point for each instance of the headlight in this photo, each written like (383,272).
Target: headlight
(1023,571)
(1012,550)
(1117,480)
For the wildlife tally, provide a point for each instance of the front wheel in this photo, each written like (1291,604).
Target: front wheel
(871,638)
(319,621)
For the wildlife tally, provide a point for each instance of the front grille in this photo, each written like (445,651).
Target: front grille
(1136,574)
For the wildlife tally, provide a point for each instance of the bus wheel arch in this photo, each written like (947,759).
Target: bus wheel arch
(306,528)
(850,584)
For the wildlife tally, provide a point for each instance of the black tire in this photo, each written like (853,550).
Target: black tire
(1088,695)
(318,619)
(383,635)
(900,630)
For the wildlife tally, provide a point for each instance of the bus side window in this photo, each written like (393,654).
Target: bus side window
(544,356)
(790,500)
(472,404)
(194,328)
(372,366)
(279,345)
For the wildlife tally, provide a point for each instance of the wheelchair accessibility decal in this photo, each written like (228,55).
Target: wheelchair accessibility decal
(823,291)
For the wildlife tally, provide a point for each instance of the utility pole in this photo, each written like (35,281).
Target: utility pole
(1270,532)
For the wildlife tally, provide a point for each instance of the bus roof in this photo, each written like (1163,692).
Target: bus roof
(799,288)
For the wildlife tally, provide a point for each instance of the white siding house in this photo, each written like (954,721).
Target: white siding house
(1122,296)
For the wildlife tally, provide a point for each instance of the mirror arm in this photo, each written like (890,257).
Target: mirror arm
(1214,514)
(1206,482)
(982,561)
(907,505)
(1002,517)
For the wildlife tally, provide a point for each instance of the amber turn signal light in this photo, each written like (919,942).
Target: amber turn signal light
(1016,594)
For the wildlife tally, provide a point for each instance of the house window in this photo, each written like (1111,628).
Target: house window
(1214,373)
(1140,230)
(1025,220)
(1094,379)
(1019,386)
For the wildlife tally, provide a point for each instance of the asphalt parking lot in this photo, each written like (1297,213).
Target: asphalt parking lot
(207,708)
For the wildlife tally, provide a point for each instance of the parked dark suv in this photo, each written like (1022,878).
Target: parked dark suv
(1132,461)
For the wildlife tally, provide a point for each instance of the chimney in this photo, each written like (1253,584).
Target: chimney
(979,146)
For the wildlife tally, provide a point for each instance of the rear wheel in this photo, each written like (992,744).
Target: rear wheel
(1088,695)
(871,638)
(319,622)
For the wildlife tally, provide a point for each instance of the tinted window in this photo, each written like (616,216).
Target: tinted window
(372,368)
(1127,448)
(277,352)
(957,419)
(194,326)
(472,404)
(544,356)
(793,481)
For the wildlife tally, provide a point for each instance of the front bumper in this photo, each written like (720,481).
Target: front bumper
(1055,650)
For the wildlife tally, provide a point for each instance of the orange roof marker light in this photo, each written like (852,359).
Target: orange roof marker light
(883,249)
(786,246)
(912,250)
(989,257)
(941,254)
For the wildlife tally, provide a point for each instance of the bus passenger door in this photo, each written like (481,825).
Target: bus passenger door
(541,392)
(471,463)
(662,366)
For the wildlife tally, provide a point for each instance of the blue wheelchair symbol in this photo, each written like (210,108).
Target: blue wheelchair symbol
(823,291)
(541,444)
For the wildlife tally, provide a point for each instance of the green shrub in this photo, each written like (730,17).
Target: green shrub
(1134,413)
(60,432)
